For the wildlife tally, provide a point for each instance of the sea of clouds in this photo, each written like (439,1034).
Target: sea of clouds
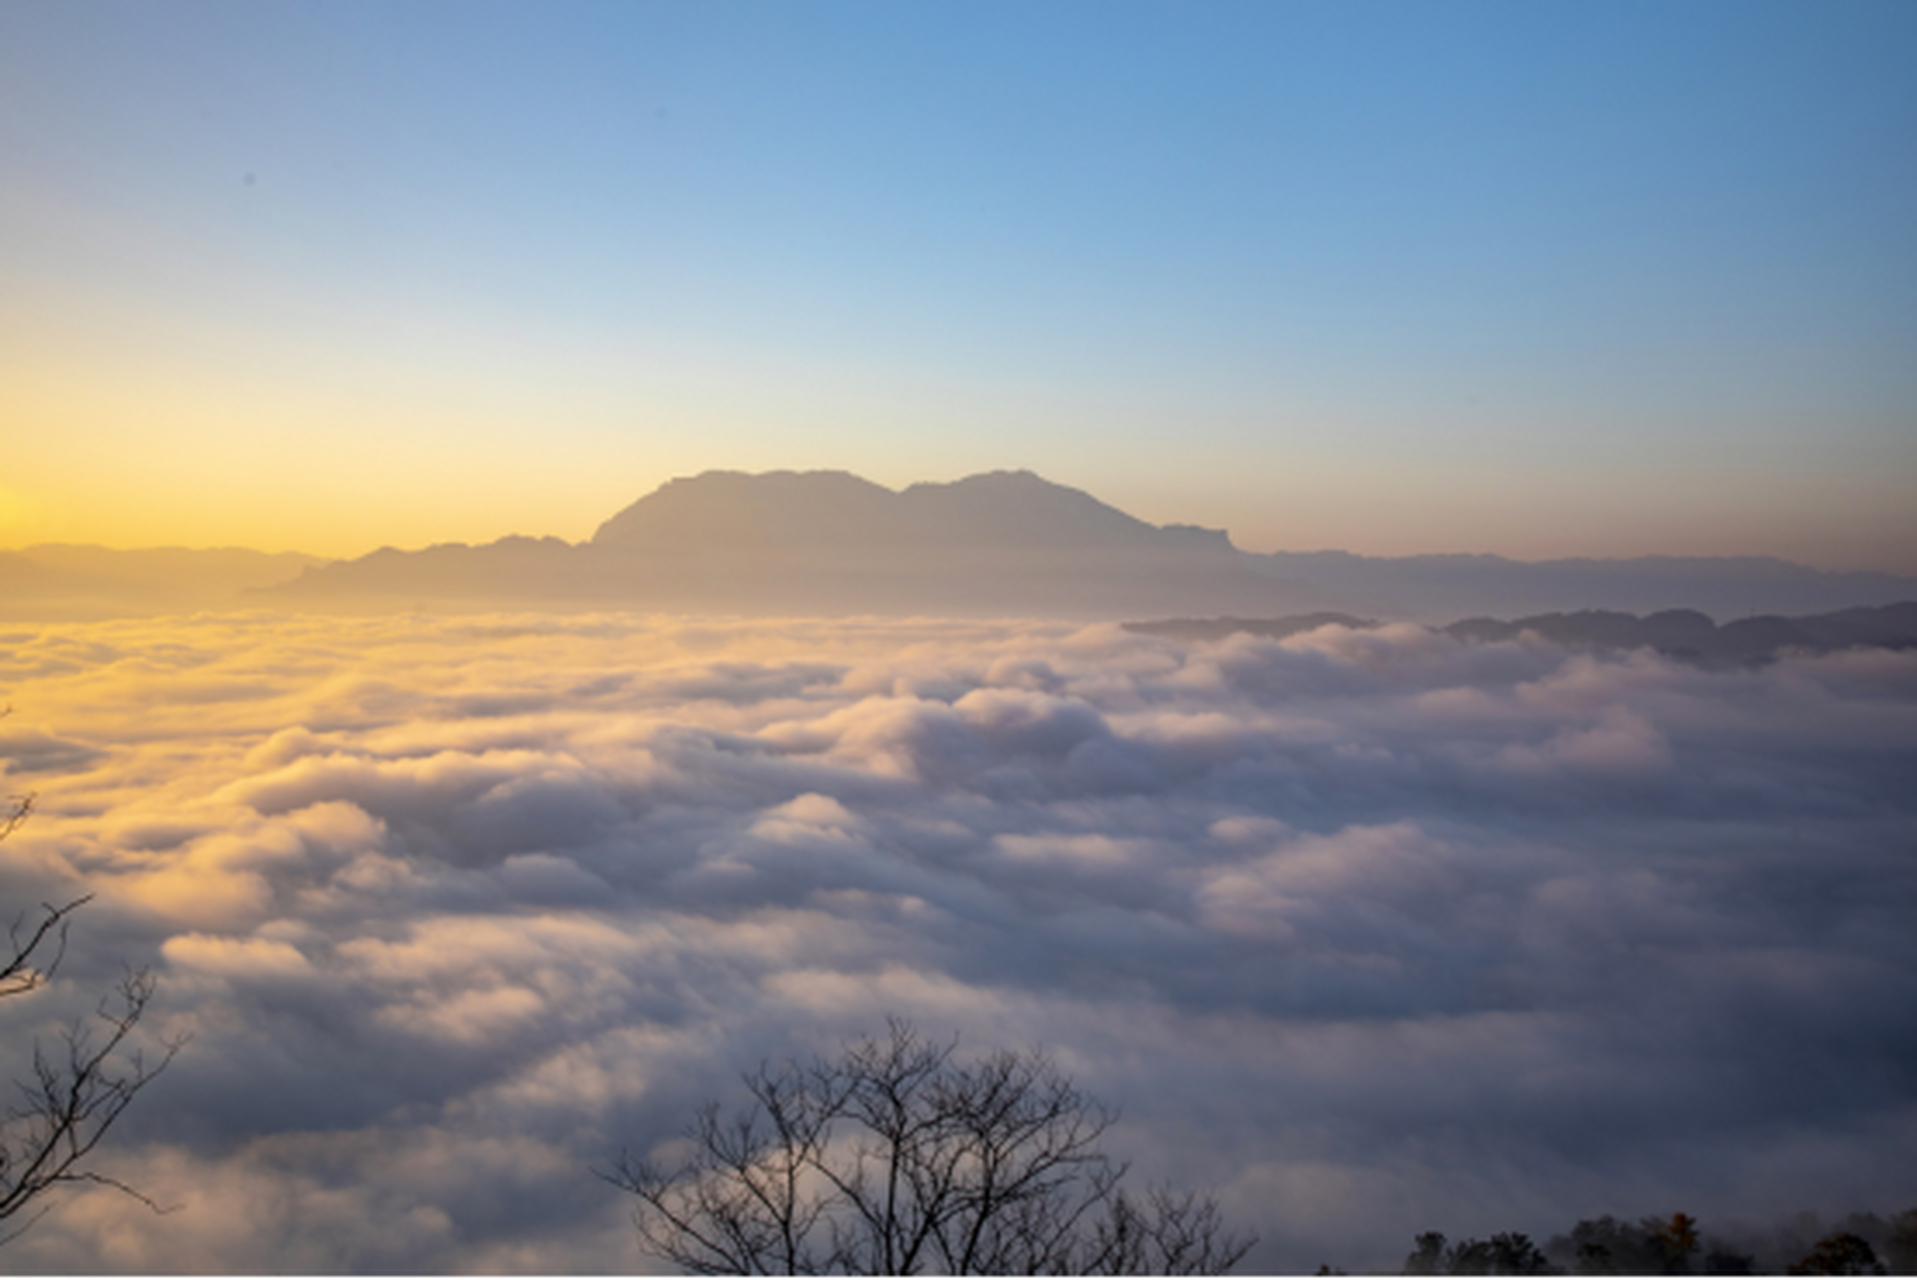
(1371,932)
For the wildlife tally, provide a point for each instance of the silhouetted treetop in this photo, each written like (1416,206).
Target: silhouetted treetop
(898,1157)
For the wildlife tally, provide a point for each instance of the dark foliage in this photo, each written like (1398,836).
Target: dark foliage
(1842,1254)
(1859,1246)
(1508,1253)
(1649,1247)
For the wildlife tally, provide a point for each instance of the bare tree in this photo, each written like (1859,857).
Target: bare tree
(897,1158)
(78,1090)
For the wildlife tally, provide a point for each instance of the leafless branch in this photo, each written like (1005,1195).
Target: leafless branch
(74,1097)
(18,807)
(29,966)
(78,1091)
(896,1157)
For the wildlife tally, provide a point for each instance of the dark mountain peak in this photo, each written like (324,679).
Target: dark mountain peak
(1003,542)
(1016,508)
(1676,622)
(524,542)
(710,484)
(1015,478)
(739,510)
(1002,486)
(994,486)
(793,510)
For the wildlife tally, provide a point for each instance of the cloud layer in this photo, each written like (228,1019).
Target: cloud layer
(1374,932)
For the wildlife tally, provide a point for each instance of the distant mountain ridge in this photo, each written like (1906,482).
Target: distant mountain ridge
(830,543)
(1009,542)
(69,581)
(1438,587)
(995,509)
(1003,542)
(1677,633)
(1686,633)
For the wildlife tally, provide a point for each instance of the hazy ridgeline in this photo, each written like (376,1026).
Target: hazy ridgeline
(827,543)
(1374,932)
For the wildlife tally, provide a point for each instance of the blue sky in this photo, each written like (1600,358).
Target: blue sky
(1540,279)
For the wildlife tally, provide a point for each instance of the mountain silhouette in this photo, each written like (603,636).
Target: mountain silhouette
(77,582)
(997,544)
(1685,634)
(1437,588)
(827,542)
(817,511)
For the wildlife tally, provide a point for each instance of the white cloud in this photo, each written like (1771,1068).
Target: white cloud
(1372,930)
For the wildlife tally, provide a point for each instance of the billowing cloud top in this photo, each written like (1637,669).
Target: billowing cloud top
(1373,931)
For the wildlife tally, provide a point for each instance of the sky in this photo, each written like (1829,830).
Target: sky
(1366,933)
(1529,279)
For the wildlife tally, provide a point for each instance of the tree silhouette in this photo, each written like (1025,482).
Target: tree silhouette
(1508,1253)
(76,1092)
(1842,1254)
(1651,1246)
(898,1157)
(1861,1245)
(1677,1237)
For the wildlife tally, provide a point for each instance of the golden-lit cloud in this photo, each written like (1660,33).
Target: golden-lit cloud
(453,908)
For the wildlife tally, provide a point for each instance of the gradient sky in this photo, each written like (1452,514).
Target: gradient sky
(1537,279)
